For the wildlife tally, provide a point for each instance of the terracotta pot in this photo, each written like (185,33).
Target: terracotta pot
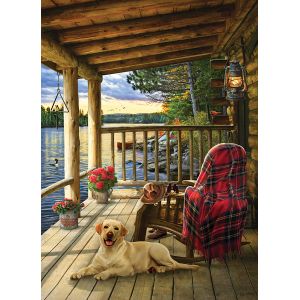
(69,220)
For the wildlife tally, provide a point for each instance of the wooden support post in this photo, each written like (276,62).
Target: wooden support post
(134,154)
(94,125)
(71,133)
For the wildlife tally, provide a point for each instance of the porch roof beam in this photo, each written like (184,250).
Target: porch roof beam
(155,61)
(152,38)
(63,58)
(115,10)
(145,25)
(140,52)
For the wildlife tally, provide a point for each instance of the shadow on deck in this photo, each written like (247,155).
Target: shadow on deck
(64,252)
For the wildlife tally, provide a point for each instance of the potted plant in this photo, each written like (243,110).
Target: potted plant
(100,182)
(68,212)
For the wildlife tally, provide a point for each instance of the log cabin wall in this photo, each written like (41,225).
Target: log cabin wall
(248,111)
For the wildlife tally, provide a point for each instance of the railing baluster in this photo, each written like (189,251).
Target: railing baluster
(156,156)
(123,156)
(219,136)
(168,155)
(191,154)
(179,154)
(201,152)
(145,156)
(134,154)
(209,132)
(112,148)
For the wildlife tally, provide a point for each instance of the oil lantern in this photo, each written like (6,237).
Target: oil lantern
(234,81)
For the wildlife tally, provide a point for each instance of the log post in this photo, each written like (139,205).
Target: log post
(71,133)
(94,125)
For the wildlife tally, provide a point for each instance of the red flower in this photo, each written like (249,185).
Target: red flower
(97,172)
(104,176)
(93,178)
(111,177)
(111,169)
(99,185)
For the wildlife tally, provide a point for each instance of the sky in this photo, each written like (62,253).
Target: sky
(114,85)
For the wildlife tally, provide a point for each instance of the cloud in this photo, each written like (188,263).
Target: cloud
(114,85)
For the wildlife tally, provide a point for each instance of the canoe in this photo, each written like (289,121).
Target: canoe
(128,145)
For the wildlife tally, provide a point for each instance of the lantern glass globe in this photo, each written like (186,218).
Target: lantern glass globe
(235,82)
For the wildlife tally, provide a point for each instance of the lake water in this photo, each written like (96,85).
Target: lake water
(52,146)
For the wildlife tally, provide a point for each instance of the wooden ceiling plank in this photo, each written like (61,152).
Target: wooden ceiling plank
(155,58)
(151,50)
(155,64)
(55,53)
(241,14)
(148,39)
(115,9)
(145,25)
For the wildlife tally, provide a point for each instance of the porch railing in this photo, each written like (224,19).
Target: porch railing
(195,140)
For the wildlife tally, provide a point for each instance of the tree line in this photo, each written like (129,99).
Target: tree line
(56,118)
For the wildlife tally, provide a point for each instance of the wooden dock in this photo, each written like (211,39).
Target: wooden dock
(64,252)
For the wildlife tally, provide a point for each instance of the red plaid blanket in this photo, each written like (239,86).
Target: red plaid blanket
(215,208)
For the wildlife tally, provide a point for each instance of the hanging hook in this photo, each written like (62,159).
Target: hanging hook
(59,94)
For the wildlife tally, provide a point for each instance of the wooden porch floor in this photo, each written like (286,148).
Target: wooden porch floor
(64,252)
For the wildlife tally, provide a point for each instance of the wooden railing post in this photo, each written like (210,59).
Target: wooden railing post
(168,155)
(145,155)
(179,153)
(191,154)
(156,156)
(124,155)
(71,133)
(134,154)
(94,125)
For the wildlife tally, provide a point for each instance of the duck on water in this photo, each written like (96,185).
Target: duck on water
(55,164)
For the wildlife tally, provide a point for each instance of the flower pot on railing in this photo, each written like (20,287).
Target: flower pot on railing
(100,183)
(68,213)
(101,197)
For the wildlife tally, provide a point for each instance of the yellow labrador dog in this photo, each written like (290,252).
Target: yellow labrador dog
(118,257)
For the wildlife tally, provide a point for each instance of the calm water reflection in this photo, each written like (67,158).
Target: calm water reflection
(52,146)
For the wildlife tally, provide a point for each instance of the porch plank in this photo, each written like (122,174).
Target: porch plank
(202,284)
(240,279)
(251,235)
(143,287)
(221,281)
(249,259)
(163,286)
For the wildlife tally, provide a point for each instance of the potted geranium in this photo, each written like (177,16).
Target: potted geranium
(100,182)
(68,211)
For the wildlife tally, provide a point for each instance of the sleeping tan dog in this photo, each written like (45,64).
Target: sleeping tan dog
(118,257)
